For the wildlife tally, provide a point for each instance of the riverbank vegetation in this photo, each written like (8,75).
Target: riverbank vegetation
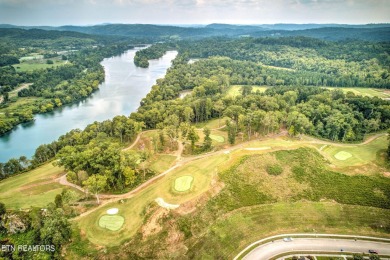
(59,67)
(292,172)
(155,51)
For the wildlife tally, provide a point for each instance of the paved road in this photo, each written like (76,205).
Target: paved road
(272,249)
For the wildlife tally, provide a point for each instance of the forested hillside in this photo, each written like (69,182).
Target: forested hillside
(334,32)
(267,126)
(302,60)
(65,67)
(310,110)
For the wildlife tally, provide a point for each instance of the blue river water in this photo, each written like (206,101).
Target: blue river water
(120,94)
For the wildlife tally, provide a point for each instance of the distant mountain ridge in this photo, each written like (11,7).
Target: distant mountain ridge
(369,32)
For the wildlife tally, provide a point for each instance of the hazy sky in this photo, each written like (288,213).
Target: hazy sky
(86,12)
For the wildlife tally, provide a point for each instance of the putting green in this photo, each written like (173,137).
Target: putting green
(342,155)
(111,222)
(183,183)
(218,138)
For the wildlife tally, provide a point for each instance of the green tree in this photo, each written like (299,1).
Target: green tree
(231,132)
(219,107)
(193,137)
(58,201)
(96,184)
(2,209)
(246,90)
(207,140)
(358,257)
(374,257)
(56,229)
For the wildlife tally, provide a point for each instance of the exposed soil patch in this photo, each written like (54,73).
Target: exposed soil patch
(153,225)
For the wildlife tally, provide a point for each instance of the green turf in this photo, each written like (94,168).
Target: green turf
(111,222)
(36,188)
(161,162)
(133,208)
(30,65)
(227,235)
(212,124)
(236,90)
(305,176)
(183,183)
(368,92)
(218,138)
(342,155)
(361,154)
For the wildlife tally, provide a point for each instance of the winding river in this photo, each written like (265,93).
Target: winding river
(124,87)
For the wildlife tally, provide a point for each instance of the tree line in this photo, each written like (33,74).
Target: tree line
(155,51)
(297,109)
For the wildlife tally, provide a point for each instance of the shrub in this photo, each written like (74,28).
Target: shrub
(274,169)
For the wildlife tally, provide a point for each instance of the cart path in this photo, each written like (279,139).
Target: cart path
(180,161)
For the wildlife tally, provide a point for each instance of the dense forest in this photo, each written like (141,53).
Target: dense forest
(78,76)
(303,61)
(150,32)
(293,70)
(153,52)
(298,109)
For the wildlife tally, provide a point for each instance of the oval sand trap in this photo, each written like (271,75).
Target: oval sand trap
(112,211)
(183,183)
(342,155)
(162,203)
(111,222)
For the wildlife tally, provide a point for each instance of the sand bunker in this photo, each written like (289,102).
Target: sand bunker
(162,203)
(258,148)
(112,211)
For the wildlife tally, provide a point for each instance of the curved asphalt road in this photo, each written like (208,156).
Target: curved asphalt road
(272,249)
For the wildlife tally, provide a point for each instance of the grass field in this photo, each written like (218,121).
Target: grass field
(161,162)
(212,124)
(183,183)
(14,93)
(232,232)
(236,90)
(217,138)
(33,189)
(133,209)
(111,222)
(360,154)
(342,156)
(367,92)
(37,61)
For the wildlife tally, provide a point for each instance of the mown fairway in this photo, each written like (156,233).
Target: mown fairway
(33,189)
(133,209)
(236,90)
(305,193)
(367,92)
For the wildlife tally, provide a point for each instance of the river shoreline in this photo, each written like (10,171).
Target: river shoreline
(120,94)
